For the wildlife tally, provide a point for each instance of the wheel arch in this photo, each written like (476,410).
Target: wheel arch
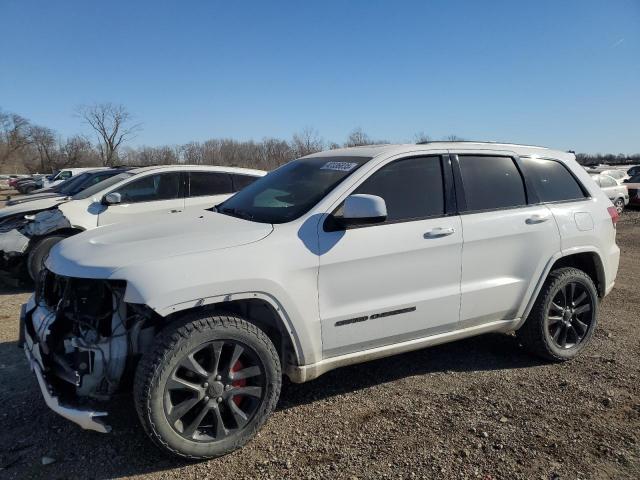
(587,260)
(258,308)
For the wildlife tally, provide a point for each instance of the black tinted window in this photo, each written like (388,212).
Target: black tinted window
(162,186)
(411,188)
(552,180)
(491,183)
(241,181)
(209,183)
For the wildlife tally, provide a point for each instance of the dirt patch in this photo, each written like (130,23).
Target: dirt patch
(479,408)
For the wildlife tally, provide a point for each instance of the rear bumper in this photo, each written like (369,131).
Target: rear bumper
(87,418)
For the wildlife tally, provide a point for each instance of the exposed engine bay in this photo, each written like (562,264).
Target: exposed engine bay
(87,338)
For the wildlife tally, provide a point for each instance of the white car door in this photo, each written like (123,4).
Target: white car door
(207,189)
(507,239)
(146,196)
(398,280)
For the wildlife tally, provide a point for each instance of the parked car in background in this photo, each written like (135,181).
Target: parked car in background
(63,175)
(337,258)
(31,184)
(70,187)
(633,187)
(29,230)
(634,171)
(15,179)
(618,194)
(617,174)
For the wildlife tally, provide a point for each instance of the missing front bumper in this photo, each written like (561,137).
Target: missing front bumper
(87,418)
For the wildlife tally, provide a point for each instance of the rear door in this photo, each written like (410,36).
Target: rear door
(206,189)
(508,236)
(146,196)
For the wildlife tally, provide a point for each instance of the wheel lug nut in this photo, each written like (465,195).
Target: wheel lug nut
(219,399)
(205,385)
(206,399)
(218,377)
(227,387)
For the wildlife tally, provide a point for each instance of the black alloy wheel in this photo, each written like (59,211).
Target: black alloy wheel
(214,391)
(570,315)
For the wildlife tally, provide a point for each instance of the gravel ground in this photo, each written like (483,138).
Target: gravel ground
(479,408)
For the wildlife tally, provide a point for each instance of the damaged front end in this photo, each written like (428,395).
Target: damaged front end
(83,341)
(18,231)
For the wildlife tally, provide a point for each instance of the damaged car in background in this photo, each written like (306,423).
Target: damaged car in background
(29,230)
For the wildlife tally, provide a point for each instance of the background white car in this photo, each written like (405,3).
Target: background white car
(63,175)
(617,193)
(127,197)
(617,174)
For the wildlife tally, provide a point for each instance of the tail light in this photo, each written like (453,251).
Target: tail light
(613,213)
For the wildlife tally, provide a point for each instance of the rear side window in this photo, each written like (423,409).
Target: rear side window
(552,180)
(209,183)
(491,182)
(241,181)
(411,188)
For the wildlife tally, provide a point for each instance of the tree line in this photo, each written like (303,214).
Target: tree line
(28,148)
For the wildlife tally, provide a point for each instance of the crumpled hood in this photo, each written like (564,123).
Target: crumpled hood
(98,253)
(33,206)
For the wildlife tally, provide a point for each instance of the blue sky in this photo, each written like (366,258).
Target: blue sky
(564,74)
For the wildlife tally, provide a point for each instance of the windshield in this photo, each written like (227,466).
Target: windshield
(292,190)
(98,187)
(69,187)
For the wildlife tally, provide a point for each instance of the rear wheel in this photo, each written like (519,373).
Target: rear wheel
(563,317)
(207,386)
(39,253)
(619,204)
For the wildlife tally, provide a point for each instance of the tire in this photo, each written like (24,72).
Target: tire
(39,253)
(202,420)
(619,204)
(28,190)
(543,331)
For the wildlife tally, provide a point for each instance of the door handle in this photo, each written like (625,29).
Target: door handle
(439,232)
(538,218)
(175,211)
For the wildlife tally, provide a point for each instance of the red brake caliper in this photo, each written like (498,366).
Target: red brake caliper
(238,383)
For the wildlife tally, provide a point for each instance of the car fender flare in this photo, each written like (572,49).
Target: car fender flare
(285,320)
(545,273)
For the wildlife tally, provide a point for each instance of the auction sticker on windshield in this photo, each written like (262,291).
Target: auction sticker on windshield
(340,166)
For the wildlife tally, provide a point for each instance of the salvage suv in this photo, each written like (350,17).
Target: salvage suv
(333,259)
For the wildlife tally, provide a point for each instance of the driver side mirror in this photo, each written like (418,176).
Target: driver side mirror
(360,209)
(112,198)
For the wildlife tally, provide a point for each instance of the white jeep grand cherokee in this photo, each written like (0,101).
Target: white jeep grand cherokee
(333,259)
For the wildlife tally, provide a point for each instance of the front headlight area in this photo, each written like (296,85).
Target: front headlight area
(89,339)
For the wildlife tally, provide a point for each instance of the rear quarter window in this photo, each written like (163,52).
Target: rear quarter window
(552,180)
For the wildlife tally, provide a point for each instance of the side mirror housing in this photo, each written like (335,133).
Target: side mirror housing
(112,198)
(360,209)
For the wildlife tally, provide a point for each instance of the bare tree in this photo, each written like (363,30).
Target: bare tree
(44,139)
(358,138)
(77,151)
(306,142)
(421,137)
(112,124)
(14,135)
(454,138)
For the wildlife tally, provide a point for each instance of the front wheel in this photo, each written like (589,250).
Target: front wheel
(39,253)
(207,386)
(564,316)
